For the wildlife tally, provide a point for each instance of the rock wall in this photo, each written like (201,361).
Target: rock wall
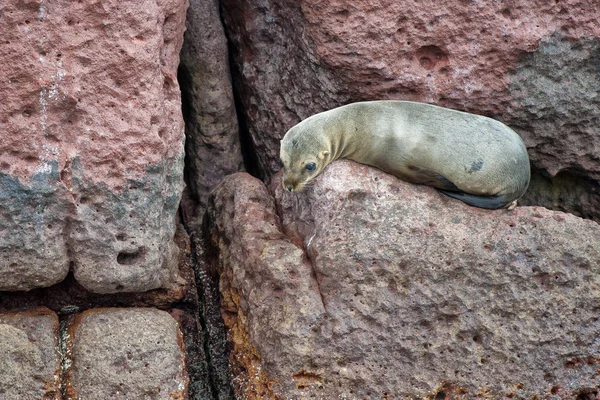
(92,143)
(361,287)
(530,64)
(98,294)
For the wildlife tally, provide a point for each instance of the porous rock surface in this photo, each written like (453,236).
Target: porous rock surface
(124,353)
(530,64)
(244,232)
(29,357)
(91,133)
(383,289)
(213,145)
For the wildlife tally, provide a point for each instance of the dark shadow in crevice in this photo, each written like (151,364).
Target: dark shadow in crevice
(568,191)
(185,82)
(248,148)
(208,359)
(247,145)
(216,348)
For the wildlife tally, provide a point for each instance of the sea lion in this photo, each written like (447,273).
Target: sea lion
(469,157)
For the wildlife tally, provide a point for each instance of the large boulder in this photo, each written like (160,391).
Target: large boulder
(383,289)
(91,160)
(530,64)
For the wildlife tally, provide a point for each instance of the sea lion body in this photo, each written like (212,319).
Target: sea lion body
(470,157)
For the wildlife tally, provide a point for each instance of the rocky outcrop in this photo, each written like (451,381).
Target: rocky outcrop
(213,144)
(263,278)
(91,171)
(383,289)
(530,64)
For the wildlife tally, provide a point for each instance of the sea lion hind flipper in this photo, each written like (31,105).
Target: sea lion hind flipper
(489,202)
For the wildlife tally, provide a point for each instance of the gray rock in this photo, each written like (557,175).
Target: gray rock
(130,353)
(557,94)
(29,358)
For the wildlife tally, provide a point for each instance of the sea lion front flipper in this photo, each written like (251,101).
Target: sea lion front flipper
(433,178)
(489,202)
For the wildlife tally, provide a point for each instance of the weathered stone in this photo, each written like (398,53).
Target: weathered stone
(213,145)
(266,286)
(92,143)
(557,97)
(404,292)
(70,295)
(530,64)
(129,353)
(29,357)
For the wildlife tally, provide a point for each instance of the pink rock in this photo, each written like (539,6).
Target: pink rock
(530,64)
(92,143)
(383,288)
(266,286)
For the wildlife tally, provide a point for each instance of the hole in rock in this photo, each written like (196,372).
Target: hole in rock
(130,258)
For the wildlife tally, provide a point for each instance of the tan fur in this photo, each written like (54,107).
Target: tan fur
(474,158)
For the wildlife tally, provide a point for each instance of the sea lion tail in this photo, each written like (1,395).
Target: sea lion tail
(489,202)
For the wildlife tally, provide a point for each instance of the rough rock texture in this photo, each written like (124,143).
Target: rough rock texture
(266,286)
(29,357)
(205,346)
(213,145)
(403,292)
(92,138)
(70,295)
(531,64)
(129,353)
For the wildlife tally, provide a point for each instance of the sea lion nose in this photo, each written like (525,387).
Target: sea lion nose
(289,188)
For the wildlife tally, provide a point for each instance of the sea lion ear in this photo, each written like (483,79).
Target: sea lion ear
(323,154)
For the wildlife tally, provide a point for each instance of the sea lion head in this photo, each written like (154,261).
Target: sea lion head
(304,154)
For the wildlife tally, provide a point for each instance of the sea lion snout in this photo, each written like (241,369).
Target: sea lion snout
(288,186)
(291,185)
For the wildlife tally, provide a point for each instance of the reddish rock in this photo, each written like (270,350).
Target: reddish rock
(125,353)
(92,143)
(266,285)
(530,64)
(213,145)
(383,289)
(30,366)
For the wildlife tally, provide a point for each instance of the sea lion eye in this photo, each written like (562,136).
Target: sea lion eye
(281,163)
(311,166)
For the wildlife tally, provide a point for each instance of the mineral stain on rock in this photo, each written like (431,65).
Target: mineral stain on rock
(556,93)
